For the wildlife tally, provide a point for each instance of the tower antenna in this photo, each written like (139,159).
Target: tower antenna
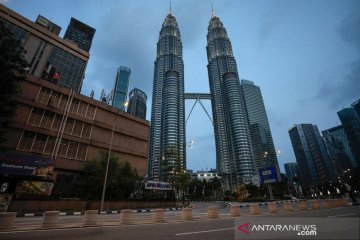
(170,10)
(212,10)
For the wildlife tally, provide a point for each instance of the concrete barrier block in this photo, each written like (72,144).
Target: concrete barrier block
(90,218)
(235,211)
(326,204)
(186,214)
(158,215)
(7,220)
(255,209)
(50,219)
(213,212)
(126,216)
(288,207)
(272,208)
(315,205)
(302,206)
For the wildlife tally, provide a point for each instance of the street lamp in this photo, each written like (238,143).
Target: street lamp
(108,161)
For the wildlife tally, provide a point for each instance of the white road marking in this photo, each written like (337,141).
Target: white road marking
(343,215)
(207,231)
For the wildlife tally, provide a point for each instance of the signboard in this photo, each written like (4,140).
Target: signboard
(156,185)
(268,175)
(34,187)
(25,165)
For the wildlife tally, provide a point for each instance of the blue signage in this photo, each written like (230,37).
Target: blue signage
(268,175)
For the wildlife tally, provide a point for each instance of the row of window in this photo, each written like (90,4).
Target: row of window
(58,100)
(45,145)
(51,121)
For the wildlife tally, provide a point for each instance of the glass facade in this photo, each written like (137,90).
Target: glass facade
(80,33)
(291,171)
(338,147)
(167,140)
(65,69)
(313,161)
(351,122)
(121,85)
(234,160)
(137,103)
(261,138)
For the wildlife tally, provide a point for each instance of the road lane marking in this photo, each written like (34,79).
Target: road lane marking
(343,215)
(207,231)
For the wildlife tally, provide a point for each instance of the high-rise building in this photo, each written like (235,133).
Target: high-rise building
(80,33)
(121,85)
(261,138)
(351,123)
(232,138)
(49,56)
(137,103)
(356,106)
(167,132)
(311,156)
(339,149)
(292,173)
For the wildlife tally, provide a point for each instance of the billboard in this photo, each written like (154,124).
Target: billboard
(156,185)
(25,165)
(34,187)
(268,175)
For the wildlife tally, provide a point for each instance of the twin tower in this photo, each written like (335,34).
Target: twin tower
(167,150)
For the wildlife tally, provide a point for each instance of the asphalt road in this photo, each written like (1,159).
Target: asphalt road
(201,228)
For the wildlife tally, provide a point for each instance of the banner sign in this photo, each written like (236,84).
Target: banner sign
(268,175)
(25,165)
(34,187)
(158,185)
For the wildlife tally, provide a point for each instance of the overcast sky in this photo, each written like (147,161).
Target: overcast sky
(304,55)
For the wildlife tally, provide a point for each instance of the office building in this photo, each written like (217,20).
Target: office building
(167,131)
(351,123)
(261,138)
(234,160)
(50,57)
(137,103)
(120,90)
(313,161)
(292,176)
(339,150)
(64,129)
(80,34)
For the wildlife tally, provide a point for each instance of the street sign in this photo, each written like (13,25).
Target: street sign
(268,175)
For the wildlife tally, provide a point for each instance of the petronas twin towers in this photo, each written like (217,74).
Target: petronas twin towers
(167,150)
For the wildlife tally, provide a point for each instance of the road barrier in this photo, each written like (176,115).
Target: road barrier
(344,202)
(326,204)
(126,216)
(272,208)
(50,219)
(315,205)
(235,211)
(254,209)
(158,215)
(288,207)
(90,218)
(7,220)
(302,206)
(213,212)
(186,214)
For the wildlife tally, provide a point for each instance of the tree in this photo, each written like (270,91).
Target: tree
(12,70)
(121,182)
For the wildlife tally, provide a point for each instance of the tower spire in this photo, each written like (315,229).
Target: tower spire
(170,10)
(212,10)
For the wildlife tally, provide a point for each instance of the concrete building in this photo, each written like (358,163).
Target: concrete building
(313,161)
(50,57)
(292,175)
(234,160)
(121,86)
(69,129)
(261,138)
(137,103)
(167,133)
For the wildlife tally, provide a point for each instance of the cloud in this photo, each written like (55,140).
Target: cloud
(337,91)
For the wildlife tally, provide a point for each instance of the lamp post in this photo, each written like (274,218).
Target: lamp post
(108,162)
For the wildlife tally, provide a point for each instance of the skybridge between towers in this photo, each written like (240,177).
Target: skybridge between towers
(198,97)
